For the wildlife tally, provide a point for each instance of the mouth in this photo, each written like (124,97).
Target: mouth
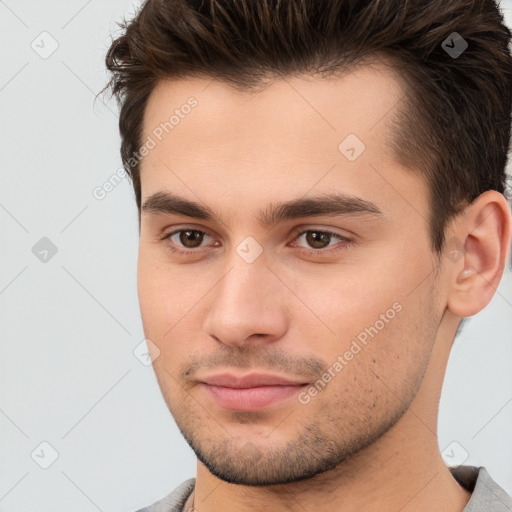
(251,392)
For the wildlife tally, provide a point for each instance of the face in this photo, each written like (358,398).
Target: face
(272,244)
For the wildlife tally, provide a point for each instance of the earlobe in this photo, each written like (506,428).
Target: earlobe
(484,234)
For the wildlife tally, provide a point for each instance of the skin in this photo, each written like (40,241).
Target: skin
(368,440)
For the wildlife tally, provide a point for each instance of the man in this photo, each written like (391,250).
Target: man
(321,194)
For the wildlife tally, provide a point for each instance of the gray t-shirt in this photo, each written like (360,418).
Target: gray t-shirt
(487,495)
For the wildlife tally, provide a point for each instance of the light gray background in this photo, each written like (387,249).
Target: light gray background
(70,325)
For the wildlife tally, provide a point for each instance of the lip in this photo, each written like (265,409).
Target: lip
(251,380)
(251,392)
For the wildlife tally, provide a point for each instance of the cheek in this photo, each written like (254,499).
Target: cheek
(346,302)
(368,324)
(148,291)
(166,292)
(156,293)
(170,302)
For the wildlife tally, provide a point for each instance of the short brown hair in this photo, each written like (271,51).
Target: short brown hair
(453,126)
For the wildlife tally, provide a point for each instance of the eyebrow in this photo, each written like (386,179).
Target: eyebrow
(328,204)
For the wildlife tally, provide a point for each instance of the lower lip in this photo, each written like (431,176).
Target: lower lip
(250,399)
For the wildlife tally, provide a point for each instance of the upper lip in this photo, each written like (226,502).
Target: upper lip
(249,381)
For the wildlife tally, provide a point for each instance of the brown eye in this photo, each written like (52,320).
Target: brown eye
(318,242)
(318,239)
(190,238)
(187,241)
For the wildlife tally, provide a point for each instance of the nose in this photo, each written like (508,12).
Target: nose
(247,305)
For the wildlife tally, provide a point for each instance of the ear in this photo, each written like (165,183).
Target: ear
(478,253)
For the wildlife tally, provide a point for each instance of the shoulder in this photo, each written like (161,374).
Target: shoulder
(173,502)
(487,495)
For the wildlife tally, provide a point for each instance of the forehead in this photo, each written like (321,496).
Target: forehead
(288,137)
(357,101)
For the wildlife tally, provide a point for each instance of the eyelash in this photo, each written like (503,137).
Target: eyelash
(309,252)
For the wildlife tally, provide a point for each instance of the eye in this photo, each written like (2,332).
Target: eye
(187,238)
(319,239)
(182,239)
